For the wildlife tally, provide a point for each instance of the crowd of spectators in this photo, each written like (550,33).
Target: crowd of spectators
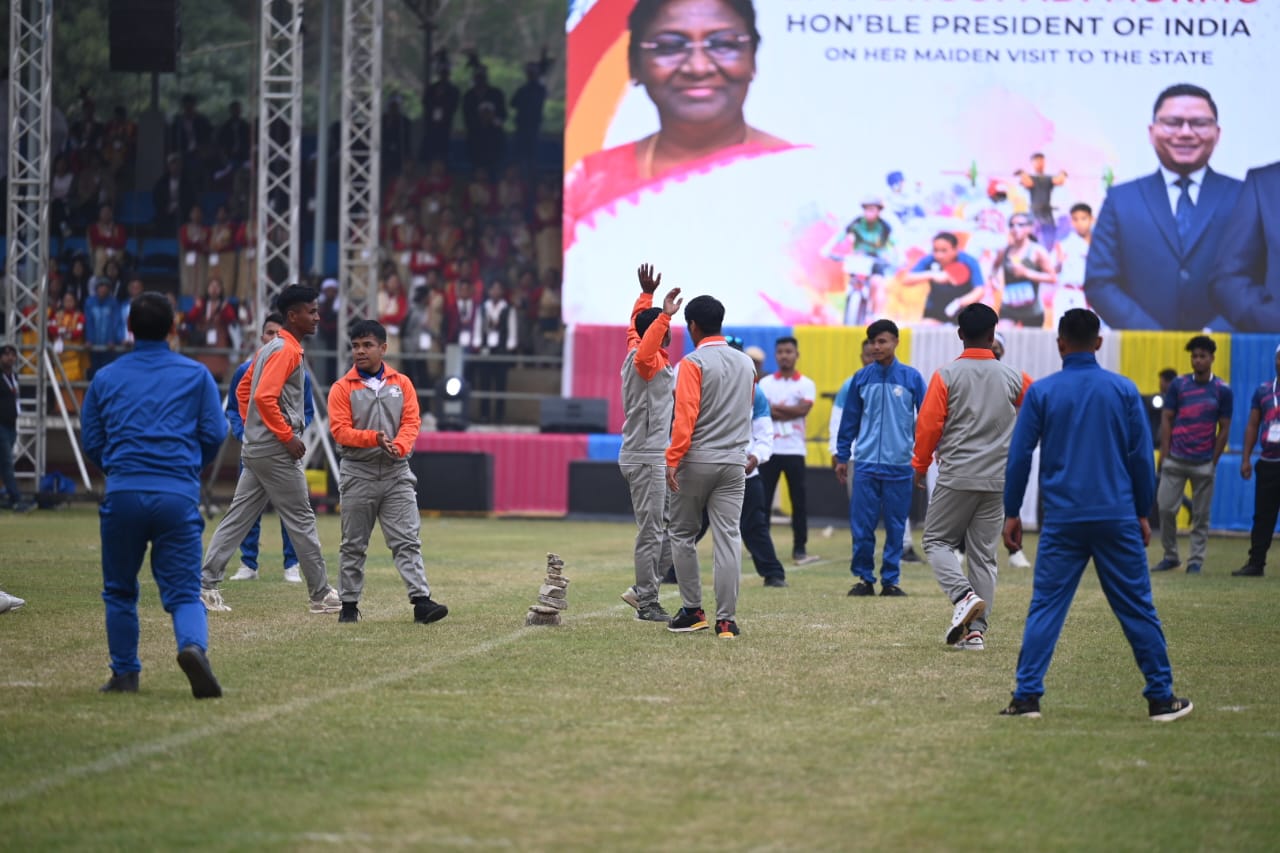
(471,234)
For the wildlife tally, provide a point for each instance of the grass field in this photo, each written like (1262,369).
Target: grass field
(830,724)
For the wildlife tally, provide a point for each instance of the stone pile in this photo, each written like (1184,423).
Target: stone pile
(552,595)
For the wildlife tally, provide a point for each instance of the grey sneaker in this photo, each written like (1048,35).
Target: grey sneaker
(329,604)
(652,613)
(212,600)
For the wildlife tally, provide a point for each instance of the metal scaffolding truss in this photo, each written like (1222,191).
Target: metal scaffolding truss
(279,164)
(27,216)
(360,171)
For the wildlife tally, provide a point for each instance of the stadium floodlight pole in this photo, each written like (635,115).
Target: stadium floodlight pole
(279,199)
(322,141)
(360,199)
(27,214)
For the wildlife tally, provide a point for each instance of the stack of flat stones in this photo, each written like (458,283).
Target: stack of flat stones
(552,595)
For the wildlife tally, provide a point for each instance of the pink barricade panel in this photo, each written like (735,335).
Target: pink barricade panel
(594,357)
(530,470)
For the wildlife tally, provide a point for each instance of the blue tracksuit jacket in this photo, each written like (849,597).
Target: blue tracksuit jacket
(880,412)
(1095,446)
(151,420)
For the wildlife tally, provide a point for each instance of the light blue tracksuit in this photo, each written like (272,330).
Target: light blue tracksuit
(880,412)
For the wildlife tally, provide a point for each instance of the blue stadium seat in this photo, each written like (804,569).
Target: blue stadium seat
(159,258)
(135,208)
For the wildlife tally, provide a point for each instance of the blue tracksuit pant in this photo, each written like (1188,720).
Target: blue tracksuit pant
(173,526)
(1121,563)
(874,499)
(249,547)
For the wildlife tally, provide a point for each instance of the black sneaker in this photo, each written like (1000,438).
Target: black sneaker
(652,613)
(726,629)
(892,590)
(195,664)
(1029,708)
(777,583)
(909,555)
(862,588)
(426,611)
(1248,570)
(686,621)
(1166,565)
(1168,710)
(350,612)
(123,683)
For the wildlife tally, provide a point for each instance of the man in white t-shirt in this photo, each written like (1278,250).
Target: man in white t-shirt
(790,396)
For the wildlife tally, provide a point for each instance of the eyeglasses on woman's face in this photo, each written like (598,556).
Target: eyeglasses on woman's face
(671,49)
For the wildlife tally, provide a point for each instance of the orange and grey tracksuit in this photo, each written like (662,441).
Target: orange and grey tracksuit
(967,417)
(376,485)
(648,382)
(271,397)
(715,389)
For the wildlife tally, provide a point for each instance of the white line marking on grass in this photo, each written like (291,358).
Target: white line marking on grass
(132,753)
(128,755)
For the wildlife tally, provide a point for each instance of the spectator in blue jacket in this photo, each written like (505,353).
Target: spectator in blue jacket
(880,413)
(248,570)
(102,326)
(1097,481)
(151,438)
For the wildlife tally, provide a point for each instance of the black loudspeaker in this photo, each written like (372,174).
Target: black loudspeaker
(575,414)
(598,488)
(454,482)
(827,496)
(143,35)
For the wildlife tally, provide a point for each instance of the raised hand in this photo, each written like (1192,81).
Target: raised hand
(648,283)
(671,304)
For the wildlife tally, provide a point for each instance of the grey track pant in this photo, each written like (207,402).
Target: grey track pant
(280,480)
(393,503)
(718,488)
(1174,474)
(648,484)
(976,519)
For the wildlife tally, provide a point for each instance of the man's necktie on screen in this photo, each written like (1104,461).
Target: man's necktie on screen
(1185,210)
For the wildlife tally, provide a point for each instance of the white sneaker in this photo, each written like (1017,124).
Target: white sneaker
(9,602)
(244,573)
(1018,560)
(967,609)
(212,600)
(292,574)
(972,642)
(631,598)
(331,603)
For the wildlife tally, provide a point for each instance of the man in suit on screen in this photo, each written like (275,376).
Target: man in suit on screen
(1246,279)
(1153,249)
